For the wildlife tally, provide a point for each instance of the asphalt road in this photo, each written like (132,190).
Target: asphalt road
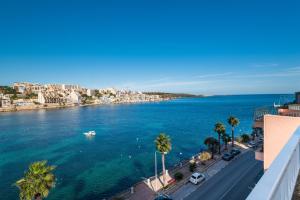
(234,182)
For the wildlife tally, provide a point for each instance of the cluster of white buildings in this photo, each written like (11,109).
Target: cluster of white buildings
(51,93)
(112,95)
(58,97)
(25,87)
(63,94)
(5,101)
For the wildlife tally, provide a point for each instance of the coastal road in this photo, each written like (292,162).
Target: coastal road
(234,182)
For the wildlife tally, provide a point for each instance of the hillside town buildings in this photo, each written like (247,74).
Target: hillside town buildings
(34,96)
(50,98)
(5,101)
(70,87)
(74,97)
(90,92)
(20,87)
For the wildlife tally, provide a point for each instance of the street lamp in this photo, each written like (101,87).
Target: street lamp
(180,158)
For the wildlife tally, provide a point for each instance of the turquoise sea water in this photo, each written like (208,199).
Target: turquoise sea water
(122,151)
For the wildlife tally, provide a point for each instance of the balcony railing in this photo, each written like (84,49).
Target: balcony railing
(260,112)
(279,180)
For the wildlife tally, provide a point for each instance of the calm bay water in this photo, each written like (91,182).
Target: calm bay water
(122,151)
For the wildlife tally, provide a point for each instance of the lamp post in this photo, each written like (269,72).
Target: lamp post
(180,159)
(155,171)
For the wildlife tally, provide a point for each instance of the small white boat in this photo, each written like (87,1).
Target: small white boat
(276,105)
(90,133)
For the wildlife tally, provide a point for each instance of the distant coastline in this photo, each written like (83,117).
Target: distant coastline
(174,95)
(33,96)
(165,97)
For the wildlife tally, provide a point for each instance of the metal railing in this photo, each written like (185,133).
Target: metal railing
(279,180)
(260,112)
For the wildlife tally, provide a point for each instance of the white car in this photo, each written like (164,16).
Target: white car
(197,178)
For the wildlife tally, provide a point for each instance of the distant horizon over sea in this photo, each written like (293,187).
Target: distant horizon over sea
(122,152)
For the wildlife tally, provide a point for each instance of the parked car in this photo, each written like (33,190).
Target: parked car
(197,178)
(163,197)
(235,152)
(227,156)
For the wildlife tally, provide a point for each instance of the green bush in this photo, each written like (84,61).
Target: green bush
(245,138)
(178,176)
(239,139)
(118,198)
(204,156)
(193,167)
(7,90)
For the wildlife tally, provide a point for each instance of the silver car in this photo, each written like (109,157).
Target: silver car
(197,178)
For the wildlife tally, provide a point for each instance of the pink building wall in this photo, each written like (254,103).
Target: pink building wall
(277,131)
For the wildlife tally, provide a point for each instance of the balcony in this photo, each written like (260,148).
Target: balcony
(280,179)
(259,113)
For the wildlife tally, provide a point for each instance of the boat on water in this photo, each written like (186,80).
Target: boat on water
(90,133)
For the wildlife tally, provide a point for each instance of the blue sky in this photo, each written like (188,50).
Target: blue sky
(203,47)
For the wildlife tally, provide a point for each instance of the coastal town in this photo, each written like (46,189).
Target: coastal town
(28,96)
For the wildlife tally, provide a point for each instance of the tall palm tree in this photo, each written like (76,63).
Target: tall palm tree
(233,122)
(226,138)
(37,182)
(163,145)
(219,129)
(211,144)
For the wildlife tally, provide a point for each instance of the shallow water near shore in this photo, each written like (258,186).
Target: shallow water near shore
(122,152)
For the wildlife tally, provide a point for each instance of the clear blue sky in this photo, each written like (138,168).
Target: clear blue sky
(208,47)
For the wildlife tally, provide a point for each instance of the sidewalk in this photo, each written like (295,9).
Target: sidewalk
(142,191)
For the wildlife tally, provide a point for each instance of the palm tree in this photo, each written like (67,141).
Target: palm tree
(233,122)
(219,129)
(37,182)
(226,138)
(211,144)
(163,145)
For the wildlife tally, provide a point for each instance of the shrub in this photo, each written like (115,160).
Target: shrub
(245,138)
(118,198)
(178,176)
(204,156)
(239,139)
(193,166)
